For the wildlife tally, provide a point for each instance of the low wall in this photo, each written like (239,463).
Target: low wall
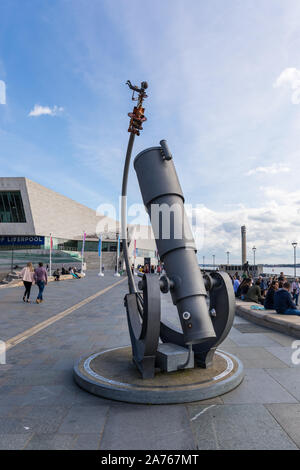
(287,324)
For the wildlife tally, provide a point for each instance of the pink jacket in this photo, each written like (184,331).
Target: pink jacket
(27,275)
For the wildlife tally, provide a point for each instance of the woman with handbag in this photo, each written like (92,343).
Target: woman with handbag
(27,275)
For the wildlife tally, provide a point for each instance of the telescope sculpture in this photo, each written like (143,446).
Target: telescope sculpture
(204,324)
(175,365)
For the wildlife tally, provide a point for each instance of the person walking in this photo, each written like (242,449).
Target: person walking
(41,279)
(27,275)
(296,290)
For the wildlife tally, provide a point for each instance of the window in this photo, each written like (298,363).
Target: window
(11,207)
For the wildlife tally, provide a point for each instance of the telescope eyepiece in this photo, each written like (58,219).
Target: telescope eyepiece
(165,150)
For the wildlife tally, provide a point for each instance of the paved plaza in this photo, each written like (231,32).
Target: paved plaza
(42,408)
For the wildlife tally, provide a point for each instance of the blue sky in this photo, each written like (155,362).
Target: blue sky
(224,90)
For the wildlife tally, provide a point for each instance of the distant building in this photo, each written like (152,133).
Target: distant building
(30,212)
(238,268)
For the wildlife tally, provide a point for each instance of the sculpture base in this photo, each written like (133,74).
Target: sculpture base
(111,374)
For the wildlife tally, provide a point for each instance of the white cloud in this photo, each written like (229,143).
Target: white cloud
(2,92)
(270,170)
(290,78)
(271,228)
(39,110)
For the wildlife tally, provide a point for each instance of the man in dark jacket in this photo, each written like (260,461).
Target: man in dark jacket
(283,301)
(269,300)
(254,294)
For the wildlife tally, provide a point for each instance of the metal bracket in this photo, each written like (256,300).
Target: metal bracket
(222,309)
(144,333)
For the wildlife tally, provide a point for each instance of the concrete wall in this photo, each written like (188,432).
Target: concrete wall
(18,184)
(57,214)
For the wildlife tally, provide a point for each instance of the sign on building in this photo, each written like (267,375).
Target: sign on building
(27,240)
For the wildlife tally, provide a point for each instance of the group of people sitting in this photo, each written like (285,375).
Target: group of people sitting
(72,271)
(149,269)
(273,293)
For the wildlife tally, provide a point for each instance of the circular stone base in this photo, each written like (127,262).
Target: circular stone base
(112,374)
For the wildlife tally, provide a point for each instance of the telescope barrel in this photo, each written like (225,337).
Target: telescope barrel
(164,202)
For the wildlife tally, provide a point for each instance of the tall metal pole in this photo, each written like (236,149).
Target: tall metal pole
(50,257)
(254,267)
(12,258)
(228,252)
(82,250)
(136,119)
(101,274)
(294,246)
(118,255)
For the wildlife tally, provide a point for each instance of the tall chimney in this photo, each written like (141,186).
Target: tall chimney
(244,250)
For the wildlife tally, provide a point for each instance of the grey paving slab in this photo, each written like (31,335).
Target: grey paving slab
(237,427)
(226,343)
(280,338)
(256,357)
(87,442)
(9,425)
(250,328)
(42,395)
(284,354)
(73,395)
(147,427)
(210,401)
(43,420)
(288,416)
(38,378)
(289,379)
(251,339)
(58,297)
(259,387)
(51,442)
(240,320)
(5,410)
(41,377)
(14,441)
(84,419)
(63,364)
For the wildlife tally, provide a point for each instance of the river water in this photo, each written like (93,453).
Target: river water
(279,269)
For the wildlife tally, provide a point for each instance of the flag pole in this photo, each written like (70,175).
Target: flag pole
(82,251)
(134,257)
(50,260)
(117,274)
(100,257)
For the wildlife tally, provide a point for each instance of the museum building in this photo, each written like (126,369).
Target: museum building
(30,213)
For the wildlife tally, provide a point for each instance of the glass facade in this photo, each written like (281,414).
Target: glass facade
(11,207)
(76,245)
(140,252)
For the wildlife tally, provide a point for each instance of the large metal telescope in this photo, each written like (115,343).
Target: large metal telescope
(164,202)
